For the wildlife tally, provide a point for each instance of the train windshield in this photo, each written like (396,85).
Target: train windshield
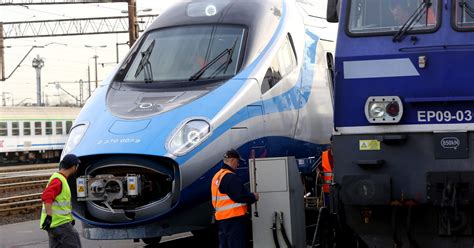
(464,14)
(376,17)
(188,53)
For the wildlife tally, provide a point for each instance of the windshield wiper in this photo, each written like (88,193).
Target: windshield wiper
(468,8)
(413,19)
(145,64)
(225,65)
(228,51)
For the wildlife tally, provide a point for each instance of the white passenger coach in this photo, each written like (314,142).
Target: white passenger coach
(34,134)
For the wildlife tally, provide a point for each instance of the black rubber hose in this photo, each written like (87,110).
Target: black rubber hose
(274,230)
(283,232)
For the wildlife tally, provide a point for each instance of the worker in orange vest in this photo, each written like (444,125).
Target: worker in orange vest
(230,199)
(328,166)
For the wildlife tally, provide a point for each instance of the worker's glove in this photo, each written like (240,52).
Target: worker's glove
(47,223)
(73,222)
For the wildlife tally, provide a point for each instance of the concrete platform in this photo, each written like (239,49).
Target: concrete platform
(28,235)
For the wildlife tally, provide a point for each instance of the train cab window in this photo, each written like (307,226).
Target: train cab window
(68,126)
(49,128)
(463,15)
(185,54)
(15,128)
(26,128)
(287,57)
(282,65)
(59,128)
(38,128)
(3,129)
(368,17)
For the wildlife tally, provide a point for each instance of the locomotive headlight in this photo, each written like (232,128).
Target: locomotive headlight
(384,109)
(377,109)
(74,138)
(188,136)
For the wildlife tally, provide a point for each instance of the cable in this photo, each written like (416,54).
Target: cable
(283,232)
(104,7)
(45,12)
(274,230)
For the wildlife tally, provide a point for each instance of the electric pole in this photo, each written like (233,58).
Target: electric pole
(132,21)
(2,54)
(96,74)
(89,79)
(38,63)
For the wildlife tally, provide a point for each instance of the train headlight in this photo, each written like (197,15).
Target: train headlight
(188,136)
(376,109)
(74,138)
(383,109)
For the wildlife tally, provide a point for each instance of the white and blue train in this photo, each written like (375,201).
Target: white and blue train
(205,77)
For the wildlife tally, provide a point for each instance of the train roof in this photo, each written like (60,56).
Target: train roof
(239,12)
(38,113)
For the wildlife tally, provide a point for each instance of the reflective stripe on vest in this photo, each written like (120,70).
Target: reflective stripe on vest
(225,207)
(327,171)
(61,206)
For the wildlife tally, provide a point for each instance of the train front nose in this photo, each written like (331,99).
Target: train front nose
(121,189)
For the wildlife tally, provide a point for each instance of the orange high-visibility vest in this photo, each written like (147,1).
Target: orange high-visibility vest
(225,208)
(327,170)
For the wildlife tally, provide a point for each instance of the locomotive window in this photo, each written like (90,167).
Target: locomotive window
(272,76)
(283,63)
(49,128)
(388,16)
(59,128)
(463,15)
(68,126)
(287,58)
(26,128)
(3,129)
(38,128)
(189,53)
(15,129)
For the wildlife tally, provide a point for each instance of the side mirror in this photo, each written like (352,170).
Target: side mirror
(332,13)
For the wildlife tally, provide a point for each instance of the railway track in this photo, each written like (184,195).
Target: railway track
(19,179)
(21,168)
(20,204)
(20,188)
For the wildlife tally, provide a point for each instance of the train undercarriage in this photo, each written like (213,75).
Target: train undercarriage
(408,191)
(29,157)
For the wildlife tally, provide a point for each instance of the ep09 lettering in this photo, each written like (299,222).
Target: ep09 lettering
(445,116)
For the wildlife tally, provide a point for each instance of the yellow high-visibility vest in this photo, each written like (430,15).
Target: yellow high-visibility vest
(225,208)
(62,208)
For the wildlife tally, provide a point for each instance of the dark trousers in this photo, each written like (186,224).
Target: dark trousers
(233,232)
(64,236)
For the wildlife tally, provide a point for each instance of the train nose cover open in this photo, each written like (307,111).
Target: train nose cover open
(127,189)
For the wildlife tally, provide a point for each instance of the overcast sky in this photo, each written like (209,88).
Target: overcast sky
(63,64)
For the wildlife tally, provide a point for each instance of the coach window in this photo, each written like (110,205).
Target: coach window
(26,128)
(15,128)
(49,128)
(59,128)
(68,126)
(38,128)
(3,129)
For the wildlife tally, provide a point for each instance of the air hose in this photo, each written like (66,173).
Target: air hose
(283,232)
(274,230)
